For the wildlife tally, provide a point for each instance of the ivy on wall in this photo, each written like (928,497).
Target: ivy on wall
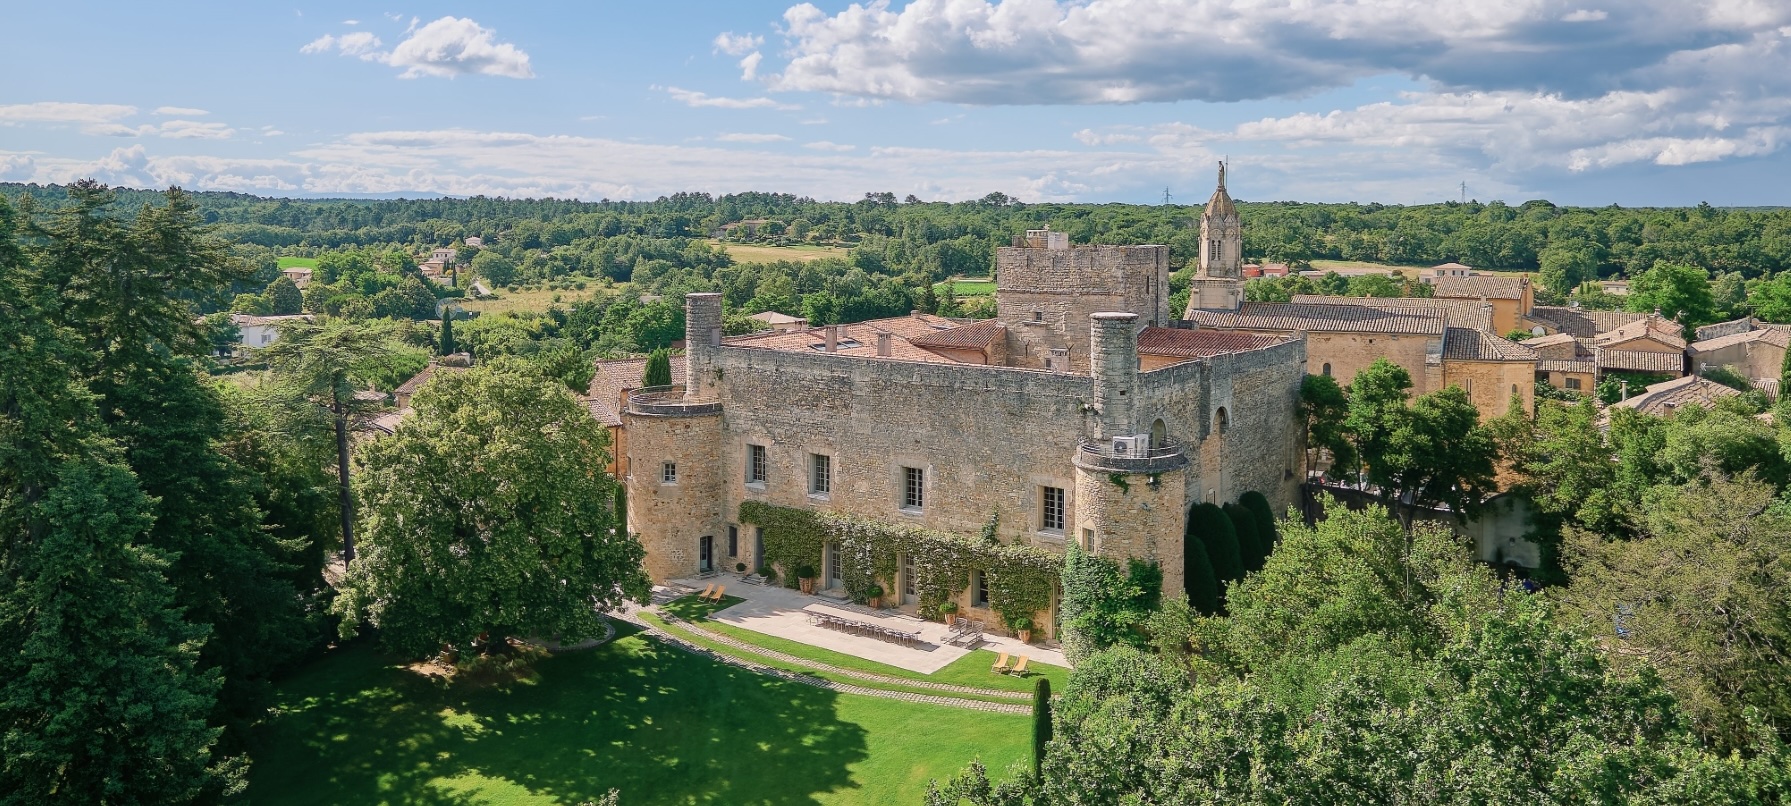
(1020,579)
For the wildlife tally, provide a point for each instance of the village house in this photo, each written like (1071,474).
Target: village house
(780,322)
(261,331)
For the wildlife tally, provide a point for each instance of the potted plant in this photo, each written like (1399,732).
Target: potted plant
(1023,629)
(946,610)
(769,573)
(805,576)
(874,596)
(739,568)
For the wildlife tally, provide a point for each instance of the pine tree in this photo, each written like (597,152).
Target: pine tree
(659,369)
(1041,722)
(101,701)
(1250,548)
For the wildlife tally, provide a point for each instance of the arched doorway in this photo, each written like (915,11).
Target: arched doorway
(1159,435)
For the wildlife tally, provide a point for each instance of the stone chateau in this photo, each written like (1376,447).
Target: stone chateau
(1083,412)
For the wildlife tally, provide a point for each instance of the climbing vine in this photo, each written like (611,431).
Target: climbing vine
(1020,578)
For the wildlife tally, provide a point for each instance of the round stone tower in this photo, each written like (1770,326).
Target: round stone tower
(1130,494)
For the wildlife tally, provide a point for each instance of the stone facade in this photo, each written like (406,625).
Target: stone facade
(1045,296)
(1491,384)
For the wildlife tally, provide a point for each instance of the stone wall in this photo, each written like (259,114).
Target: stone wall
(1490,384)
(1046,296)
(1349,353)
(672,518)
(1751,359)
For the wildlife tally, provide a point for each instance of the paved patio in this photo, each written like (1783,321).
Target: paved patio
(780,612)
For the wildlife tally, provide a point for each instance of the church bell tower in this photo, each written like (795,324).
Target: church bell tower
(1219,280)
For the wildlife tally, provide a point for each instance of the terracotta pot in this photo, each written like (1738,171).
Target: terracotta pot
(1025,636)
(876,603)
(808,586)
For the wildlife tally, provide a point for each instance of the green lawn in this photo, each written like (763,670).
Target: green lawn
(966,288)
(970,670)
(663,726)
(691,608)
(298,262)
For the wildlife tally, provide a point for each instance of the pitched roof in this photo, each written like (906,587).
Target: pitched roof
(1651,327)
(1580,322)
(250,320)
(1290,316)
(410,387)
(604,396)
(1640,361)
(1457,312)
(1665,397)
(1199,342)
(1772,335)
(858,340)
(775,318)
(1477,286)
(974,336)
(1550,340)
(1729,328)
(1468,344)
(1584,365)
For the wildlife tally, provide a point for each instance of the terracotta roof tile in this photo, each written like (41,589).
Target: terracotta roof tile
(1665,397)
(614,378)
(1477,286)
(974,336)
(1641,361)
(1580,322)
(1200,342)
(1458,312)
(1467,344)
(1587,366)
(1772,335)
(1651,327)
(1289,317)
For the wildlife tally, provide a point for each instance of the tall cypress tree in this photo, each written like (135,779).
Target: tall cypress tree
(447,346)
(1258,504)
(1250,548)
(1041,722)
(1208,523)
(1198,579)
(659,369)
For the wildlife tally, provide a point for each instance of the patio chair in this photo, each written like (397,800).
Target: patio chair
(719,590)
(1020,668)
(1001,665)
(706,591)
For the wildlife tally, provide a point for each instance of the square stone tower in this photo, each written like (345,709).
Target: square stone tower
(1046,290)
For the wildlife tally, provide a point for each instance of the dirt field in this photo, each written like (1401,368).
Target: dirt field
(751,253)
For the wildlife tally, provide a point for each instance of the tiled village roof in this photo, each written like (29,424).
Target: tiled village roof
(1718,329)
(859,339)
(1654,328)
(974,336)
(1290,316)
(1468,344)
(775,318)
(1479,286)
(1200,342)
(1665,397)
(1641,361)
(250,320)
(1772,335)
(1456,312)
(1551,340)
(1585,365)
(1579,322)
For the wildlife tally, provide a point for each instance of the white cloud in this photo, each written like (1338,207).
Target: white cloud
(1103,51)
(17,167)
(271,133)
(737,44)
(813,121)
(824,145)
(351,22)
(700,99)
(1090,137)
(1585,15)
(182,111)
(60,112)
(748,137)
(447,47)
(749,66)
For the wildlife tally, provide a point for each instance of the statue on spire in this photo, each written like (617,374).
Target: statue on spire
(1221,174)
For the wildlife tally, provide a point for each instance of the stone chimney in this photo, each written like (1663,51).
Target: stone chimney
(702,339)
(1113,360)
(883,345)
(830,338)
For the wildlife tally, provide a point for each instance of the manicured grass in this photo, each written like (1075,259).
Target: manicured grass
(690,608)
(966,288)
(298,262)
(970,670)
(661,725)
(754,253)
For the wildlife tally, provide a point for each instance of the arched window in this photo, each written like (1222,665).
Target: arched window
(1159,435)
(1327,369)
(1221,421)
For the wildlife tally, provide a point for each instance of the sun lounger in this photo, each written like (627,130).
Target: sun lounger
(1001,665)
(718,592)
(1020,668)
(706,591)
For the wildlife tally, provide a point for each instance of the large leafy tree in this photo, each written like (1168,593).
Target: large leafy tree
(1376,409)
(327,362)
(1439,454)
(487,516)
(1677,290)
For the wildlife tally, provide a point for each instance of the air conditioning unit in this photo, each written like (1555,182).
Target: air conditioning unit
(1131,446)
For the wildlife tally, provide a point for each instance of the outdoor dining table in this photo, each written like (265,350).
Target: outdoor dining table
(861,623)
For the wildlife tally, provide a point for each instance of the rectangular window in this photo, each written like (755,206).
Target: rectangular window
(979,585)
(820,481)
(733,541)
(668,473)
(1051,509)
(755,464)
(1573,383)
(1088,541)
(913,488)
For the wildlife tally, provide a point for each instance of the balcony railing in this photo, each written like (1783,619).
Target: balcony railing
(1099,455)
(668,401)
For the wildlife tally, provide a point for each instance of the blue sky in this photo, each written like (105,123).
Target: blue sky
(1634,102)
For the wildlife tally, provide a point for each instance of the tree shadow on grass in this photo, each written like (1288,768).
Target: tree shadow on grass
(657,723)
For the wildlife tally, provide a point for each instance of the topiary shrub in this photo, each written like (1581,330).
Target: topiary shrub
(1208,524)
(1198,579)
(1258,504)
(1250,548)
